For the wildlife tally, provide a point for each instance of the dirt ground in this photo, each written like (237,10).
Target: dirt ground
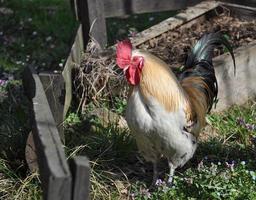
(174,46)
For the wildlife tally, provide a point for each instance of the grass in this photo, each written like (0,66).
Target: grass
(39,33)
(118,28)
(36,33)
(13,186)
(222,168)
(234,128)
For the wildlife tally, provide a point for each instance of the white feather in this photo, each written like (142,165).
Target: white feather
(158,132)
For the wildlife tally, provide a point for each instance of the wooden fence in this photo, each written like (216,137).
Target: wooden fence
(92,13)
(60,180)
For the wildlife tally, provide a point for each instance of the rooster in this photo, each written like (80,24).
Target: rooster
(165,113)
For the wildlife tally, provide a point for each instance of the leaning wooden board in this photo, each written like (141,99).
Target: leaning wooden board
(182,18)
(54,171)
(45,151)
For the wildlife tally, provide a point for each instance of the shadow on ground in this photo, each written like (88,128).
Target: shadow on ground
(14,124)
(115,151)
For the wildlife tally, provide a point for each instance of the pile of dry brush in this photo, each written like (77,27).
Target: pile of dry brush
(98,80)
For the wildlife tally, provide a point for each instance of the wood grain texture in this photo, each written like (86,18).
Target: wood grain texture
(74,59)
(80,169)
(53,84)
(98,30)
(114,8)
(92,17)
(251,3)
(30,154)
(53,168)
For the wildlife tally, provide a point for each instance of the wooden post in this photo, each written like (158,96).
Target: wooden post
(74,59)
(114,8)
(53,168)
(91,15)
(80,169)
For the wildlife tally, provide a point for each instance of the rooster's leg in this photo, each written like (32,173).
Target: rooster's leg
(171,173)
(155,175)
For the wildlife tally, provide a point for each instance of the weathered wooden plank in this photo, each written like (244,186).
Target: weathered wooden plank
(241,11)
(239,6)
(118,8)
(251,3)
(80,169)
(77,48)
(241,87)
(189,14)
(114,8)
(54,171)
(53,84)
(30,153)
(92,18)
(73,59)
(98,30)
(74,9)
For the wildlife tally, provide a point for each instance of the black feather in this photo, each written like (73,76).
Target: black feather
(203,50)
(199,64)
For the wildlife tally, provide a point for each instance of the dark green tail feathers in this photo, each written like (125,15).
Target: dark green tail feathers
(203,50)
(199,64)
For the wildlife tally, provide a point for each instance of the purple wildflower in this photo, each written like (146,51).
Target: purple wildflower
(133,195)
(250,127)
(3,82)
(160,182)
(230,165)
(240,121)
(146,193)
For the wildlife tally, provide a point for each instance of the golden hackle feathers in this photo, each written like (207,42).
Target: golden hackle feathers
(196,89)
(198,99)
(159,82)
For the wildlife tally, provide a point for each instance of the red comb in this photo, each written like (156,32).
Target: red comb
(123,53)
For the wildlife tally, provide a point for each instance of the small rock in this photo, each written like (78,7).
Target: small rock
(107,117)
